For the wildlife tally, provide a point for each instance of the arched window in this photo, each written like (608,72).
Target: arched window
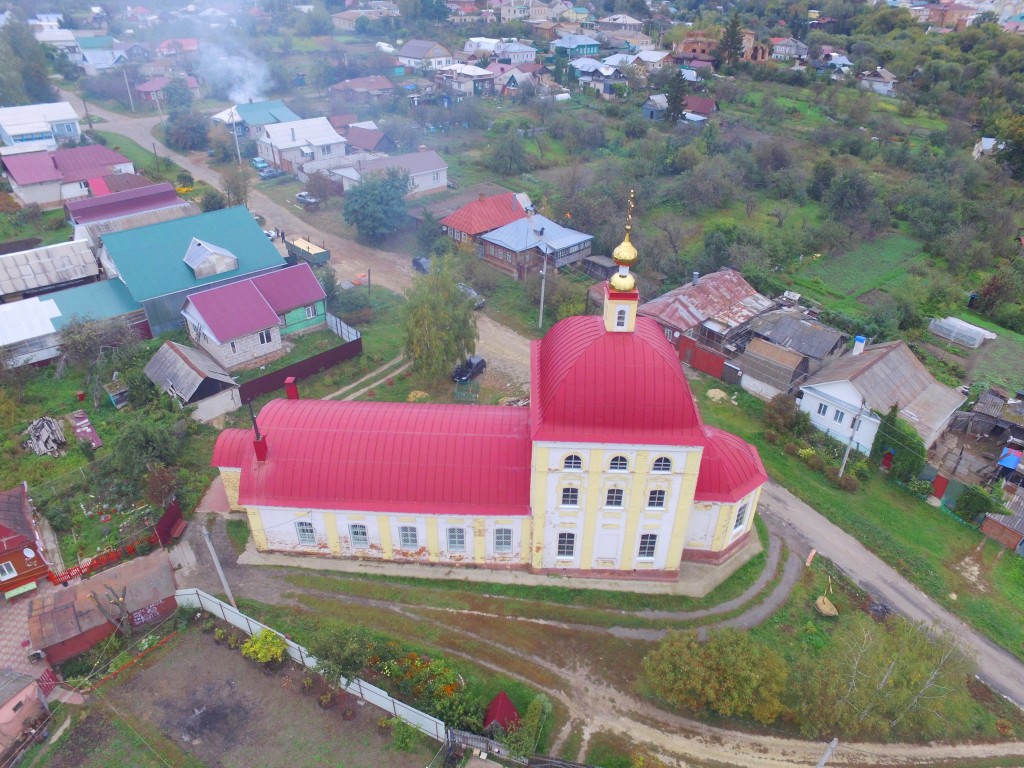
(572,461)
(662,464)
(620,319)
(619,464)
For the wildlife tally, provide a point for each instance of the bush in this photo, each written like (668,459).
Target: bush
(975,501)
(265,647)
(920,487)
(849,483)
(790,449)
(771,436)
(403,735)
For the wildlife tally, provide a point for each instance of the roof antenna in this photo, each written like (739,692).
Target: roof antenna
(255,427)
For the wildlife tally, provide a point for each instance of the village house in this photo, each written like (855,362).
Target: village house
(620,22)
(47,269)
(513,52)
(609,473)
(484,215)
(251,119)
(243,324)
(363,90)
(529,244)
(880,81)
(51,178)
(39,126)
(162,264)
(22,563)
(135,51)
(788,48)
(302,147)
(362,139)
(424,54)
(180,49)
(152,91)
(427,171)
(116,205)
(575,46)
(466,79)
(844,398)
(23,711)
(509,78)
(347,20)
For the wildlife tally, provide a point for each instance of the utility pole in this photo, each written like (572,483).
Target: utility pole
(853,431)
(543,281)
(216,564)
(828,753)
(369,285)
(234,132)
(88,117)
(128,88)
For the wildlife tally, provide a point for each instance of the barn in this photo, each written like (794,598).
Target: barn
(68,622)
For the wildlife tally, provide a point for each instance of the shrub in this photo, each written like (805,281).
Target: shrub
(849,483)
(403,735)
(920,487)
(220,635)
(790,449)
(265,647)
(816,463)
(771,436)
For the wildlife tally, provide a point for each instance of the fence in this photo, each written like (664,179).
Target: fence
(273,381)
(101,561)
(423,722)
(484,744)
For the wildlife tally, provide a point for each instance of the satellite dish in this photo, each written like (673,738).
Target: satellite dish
(30,554)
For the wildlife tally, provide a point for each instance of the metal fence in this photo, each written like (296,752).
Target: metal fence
(273,381)
(340,328)
(431,726)
(484,744)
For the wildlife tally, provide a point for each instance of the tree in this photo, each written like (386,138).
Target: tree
(822,174)
(144,442)
(440,325)
(31,63)
(507,155)
(376,206)
(212,200)
(1003,286)
(730,47)
(340,651)
(521,740)
(675,96)
(850,194)
(186,131)
(907,447)
(319,186)
(730,674)
(236,181)
(177,96)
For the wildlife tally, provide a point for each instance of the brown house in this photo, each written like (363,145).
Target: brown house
(362,90)
(705,43)
(21,551)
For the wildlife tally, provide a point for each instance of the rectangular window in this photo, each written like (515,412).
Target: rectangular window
(232,347)
(566,544)
(436,177)
(312,311)
(456,539)
(648,543)
(503,540)
(325,150)
(358,536)
(570,497)
(407,537)
(307,535)
(822,409)
(7,571)
(838,417)
(741,518)
(656,500)
(266,336)
(855,424)
(614,498)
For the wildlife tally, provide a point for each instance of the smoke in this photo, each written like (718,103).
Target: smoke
(234,75)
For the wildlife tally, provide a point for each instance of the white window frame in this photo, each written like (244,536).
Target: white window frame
(305,533)
(456,539)
(616,460)
(566,542)
(572,493)
(620,318)
(572,463)
(656,499)
(838,416)
(822,409)
(266,336)
(312,311)
(500,547)
(359,535)
(407,533)
(648,543)
(741,517)
(7,571)
(662,465)
(615,498)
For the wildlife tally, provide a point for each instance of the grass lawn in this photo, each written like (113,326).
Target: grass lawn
(156,169)
(51,227)
(238,532)
(609,750)
(999,361)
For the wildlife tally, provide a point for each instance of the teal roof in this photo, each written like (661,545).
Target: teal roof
(150,260)
(93,43)
(97,301)
(1018,18)
(266,113)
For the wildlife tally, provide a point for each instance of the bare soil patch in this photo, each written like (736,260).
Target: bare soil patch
(225,711)
(874,297)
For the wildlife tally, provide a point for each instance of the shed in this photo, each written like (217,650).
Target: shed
(1008,530)
(502,711)
(21,703)
(67,622)
(187,374)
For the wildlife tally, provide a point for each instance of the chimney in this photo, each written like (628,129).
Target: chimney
(291,389)
(695,278)
(858,345)
(260,447)
(421,148)
(481,198)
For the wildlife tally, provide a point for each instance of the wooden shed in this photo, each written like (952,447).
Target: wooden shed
(67,622)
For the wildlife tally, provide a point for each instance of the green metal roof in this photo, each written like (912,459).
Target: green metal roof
(95,43)
(150,260)
(97,301)
(266,113)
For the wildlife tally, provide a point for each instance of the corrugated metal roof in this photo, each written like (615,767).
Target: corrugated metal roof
(43,267)
(535,231)
(97,301)
(413,162)
(589,385)
(149,259)
(13,119)
(722,300)
(729,468)
(996,403)
(419,49)
(316,131)
(125,203)
(485,214)
(788,328)
(368,84)
(97,229)
(15,519)
(232,311)
(257,113)
(388,457)
(182,369)
(290,288)
(66,165)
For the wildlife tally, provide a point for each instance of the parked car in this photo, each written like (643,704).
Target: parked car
(470,369)
(260,164)
(469,293)
(270,173)
(307,199)
(269,233)
(421,264)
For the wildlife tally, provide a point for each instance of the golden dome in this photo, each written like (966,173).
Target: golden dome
(622,283)
(625,252)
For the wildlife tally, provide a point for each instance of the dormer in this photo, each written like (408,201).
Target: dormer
(206,259)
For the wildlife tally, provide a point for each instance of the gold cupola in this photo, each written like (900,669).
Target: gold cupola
(621,297)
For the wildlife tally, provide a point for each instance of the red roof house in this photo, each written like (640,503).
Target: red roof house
(52,177)
(368,140)
(700,105)
(21,550)
(175,46)
(241,324)
(483,215)
(502,711)
(152,91)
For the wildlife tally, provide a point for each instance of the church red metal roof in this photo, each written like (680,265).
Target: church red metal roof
(729,469)
(590,385)
(385,457)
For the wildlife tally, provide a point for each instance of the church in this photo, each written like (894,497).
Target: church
(609,472)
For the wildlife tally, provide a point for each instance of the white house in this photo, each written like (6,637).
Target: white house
(845,397)
(427,171)
(45,124)
(788,48)
(515,52)
(881,81)
(424,54)
(53,177)
(986,146)
(302,147)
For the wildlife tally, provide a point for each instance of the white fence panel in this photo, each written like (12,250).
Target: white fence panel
(431,726)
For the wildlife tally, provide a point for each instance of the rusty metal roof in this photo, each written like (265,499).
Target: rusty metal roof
(720,301)
(997,404)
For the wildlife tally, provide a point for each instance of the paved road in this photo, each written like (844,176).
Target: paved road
(996,666)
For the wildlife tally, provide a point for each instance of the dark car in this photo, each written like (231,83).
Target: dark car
(270,173)
(470,369)
(473,296)
(421,264)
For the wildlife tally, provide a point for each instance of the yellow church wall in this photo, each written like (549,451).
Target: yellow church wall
(331,527)
(384,531)
(231,478)
(687,490)
(433,550)
(259,536)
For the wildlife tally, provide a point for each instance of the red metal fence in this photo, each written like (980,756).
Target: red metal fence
(273,381)
(702,359)
(103,560)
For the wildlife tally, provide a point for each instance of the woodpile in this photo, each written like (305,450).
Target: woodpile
(45,436)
